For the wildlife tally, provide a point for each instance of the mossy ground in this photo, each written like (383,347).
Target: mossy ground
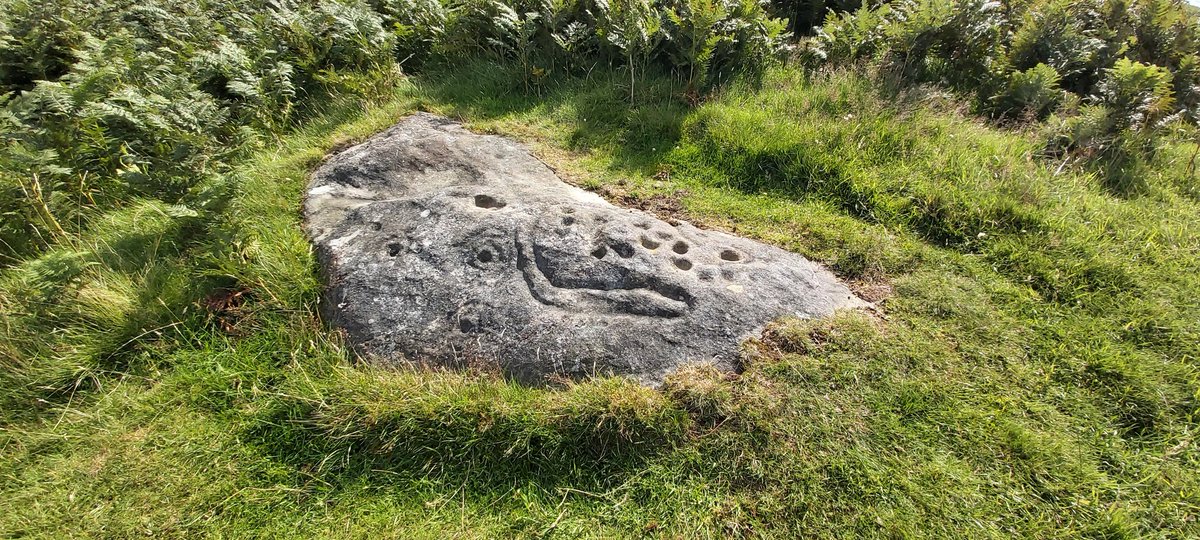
(1032,370)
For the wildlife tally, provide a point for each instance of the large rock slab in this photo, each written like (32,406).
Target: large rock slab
(442,246)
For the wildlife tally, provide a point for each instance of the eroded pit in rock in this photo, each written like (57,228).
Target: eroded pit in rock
(443,246)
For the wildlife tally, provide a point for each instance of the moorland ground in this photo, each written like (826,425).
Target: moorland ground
(1031,369)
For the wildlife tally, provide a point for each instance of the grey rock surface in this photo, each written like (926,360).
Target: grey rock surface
(442,246)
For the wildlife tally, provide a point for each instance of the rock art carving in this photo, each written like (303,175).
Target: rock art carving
(442,246)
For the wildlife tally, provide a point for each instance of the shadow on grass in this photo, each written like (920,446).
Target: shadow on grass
(1121,174)
(596,107)
(480,433)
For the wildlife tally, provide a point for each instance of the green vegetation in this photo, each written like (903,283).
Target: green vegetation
(1032,370)
(1113,74)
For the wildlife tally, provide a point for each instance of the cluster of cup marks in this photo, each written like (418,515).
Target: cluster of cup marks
(624,250)
(484,256)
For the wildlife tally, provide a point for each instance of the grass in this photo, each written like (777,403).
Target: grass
(1033,373)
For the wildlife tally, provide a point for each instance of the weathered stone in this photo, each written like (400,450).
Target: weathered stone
(443,246)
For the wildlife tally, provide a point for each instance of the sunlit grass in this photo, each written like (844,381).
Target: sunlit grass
(1031,372)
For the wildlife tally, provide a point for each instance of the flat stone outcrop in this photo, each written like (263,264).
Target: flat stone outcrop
(443,246)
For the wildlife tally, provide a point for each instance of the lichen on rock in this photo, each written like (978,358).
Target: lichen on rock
(443,246)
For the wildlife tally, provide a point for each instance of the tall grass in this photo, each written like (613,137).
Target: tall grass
(1031,370)
(1034,380)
